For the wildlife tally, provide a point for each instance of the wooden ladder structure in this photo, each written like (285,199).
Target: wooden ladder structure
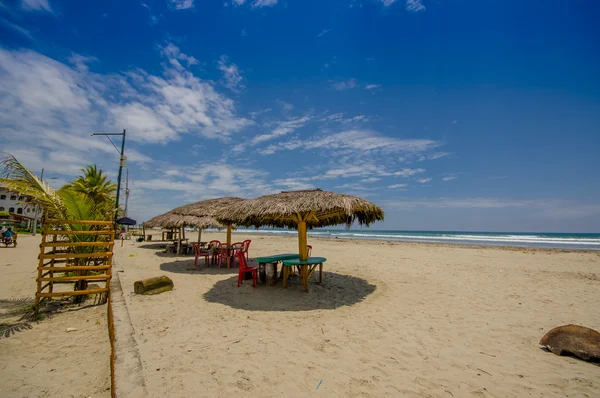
(61,252)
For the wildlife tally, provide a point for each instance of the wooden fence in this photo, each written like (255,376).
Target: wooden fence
(77,253)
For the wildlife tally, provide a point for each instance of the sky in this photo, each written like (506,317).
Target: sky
(460,115)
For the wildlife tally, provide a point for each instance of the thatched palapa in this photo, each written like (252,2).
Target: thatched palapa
(199,214)
(302,210)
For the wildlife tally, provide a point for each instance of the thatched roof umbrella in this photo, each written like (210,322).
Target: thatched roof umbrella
(209,208)
(302,210)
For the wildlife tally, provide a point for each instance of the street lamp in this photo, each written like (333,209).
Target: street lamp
(121,164)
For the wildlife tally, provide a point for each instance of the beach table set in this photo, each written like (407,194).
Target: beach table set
(267,268)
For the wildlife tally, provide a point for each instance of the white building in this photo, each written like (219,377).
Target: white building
(17,208)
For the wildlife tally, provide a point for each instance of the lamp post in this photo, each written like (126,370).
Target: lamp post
(121,164)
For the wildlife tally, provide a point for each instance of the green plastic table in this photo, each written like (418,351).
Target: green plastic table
(267,266)
(307,267)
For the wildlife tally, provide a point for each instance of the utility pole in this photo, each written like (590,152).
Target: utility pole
(121,165)
(126,193)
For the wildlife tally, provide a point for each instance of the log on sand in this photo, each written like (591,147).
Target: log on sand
(155,285)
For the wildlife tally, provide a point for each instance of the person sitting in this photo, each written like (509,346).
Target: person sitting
(8,233)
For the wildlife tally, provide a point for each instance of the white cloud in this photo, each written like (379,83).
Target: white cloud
(281,129)
(264,3)
(449,178)
(356,186)
(423,180)
(54,107)
(294,184)
(174,55)
(408,172)
(460,203)
(81,61)
(232,78)
(285,106)
(344,85)
(414,5)
(372,86)
(388,3)
(203,181)
(324,31)
(395,186)
(182,4)
(339,118)
(239,2)
(16,27)
(36,5)
(370,179)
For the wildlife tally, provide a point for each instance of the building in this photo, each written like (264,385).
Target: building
(17,207)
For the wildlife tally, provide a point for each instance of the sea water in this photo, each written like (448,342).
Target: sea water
(584,241)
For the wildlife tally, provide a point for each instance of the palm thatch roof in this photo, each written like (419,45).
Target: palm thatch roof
(199,214)
(316,207)
(209,207)
(171,220)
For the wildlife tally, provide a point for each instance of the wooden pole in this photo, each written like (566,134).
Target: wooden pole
(199,235)
(229,227)
(302,239)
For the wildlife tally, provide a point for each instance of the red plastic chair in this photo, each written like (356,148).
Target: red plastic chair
(244,269)
(236,247)
(246,244)
(224,253)
(213,247)
(200,253)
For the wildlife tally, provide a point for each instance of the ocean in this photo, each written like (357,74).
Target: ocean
(516,239)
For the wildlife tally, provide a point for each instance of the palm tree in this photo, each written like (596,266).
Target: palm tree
(94,186)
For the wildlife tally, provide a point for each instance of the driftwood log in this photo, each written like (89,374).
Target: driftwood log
(155,285)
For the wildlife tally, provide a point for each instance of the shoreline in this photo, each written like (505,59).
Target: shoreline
(387,242)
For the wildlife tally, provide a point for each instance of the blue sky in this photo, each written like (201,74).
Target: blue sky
(450,114)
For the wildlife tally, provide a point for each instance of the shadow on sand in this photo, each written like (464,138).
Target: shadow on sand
(336,291)
(187,267)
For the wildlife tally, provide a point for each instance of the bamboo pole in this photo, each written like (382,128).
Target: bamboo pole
(76,268)
(39,282)
(75,278)
(78,244)
(229,228)
(75,293)
(302,238)
(76,255)
(78,222)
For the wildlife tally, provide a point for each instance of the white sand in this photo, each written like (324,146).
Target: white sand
(391,319)
(46,361)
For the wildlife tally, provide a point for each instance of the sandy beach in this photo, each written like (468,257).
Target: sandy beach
(48,361)
(390,319)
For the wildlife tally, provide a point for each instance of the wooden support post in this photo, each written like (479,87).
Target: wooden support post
(302,239)
(229,227)
(199,235)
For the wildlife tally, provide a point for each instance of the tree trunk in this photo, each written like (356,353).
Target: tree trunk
(155,285)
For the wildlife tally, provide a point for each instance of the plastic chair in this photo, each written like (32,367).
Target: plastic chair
(246,247)
(244,269)
(224,252)
(200,253)
(213,247)
(236,247)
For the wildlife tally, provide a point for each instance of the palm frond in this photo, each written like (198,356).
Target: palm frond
(6,329)
(18,178)
(15,303)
